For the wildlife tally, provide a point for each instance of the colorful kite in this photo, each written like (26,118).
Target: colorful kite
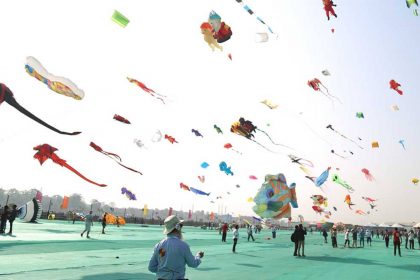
(375,144)
(345,137)
(369,200)
(328,7)
(148,90)
(360,115)
(316,85)
(319,200)
(170,139)
(248,9)
(269,104)
(402,143)
(207,31)
(204,165)
(360,212)
(395,86)
(46,151)
(219,131)
(320,210)
(415,181)
(337,180)
(121,119)
(223,167)
(367,174)
(301,161)
(202,179)
(347,200)
(113,156)
(120,19)
(411,2)
(196,132)
(274,198)
(65,203)
(128,194)
(321,179)
(58,84)
(197,191)
(221,31)
(6,95)
(184,187)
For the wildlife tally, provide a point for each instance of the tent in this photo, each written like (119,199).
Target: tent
(384,226)
(371,225)
(396,225)
(417,225)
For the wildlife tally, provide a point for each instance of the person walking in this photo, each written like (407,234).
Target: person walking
(74,216)
(249,230)
(405,234)
(224,231)
(301,240)
(346,238)
(411,239)
(397,242)
(334,237)
(88,224)
(235,237)
(325,234)
(368,237)
(386,237)
(362,237)
(12,217)
(354,232)
(273,231)
(172,254)
(104,222)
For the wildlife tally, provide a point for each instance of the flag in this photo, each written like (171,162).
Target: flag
(65,203)
(145,210)
(189,215)
(38,196)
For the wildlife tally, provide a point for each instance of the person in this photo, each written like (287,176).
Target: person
(172,253)
(3,219)
(346,238)
(362,237)
(325,234)
(249,230)
(295,240)
(74,217)
(411,239)
(368,237)
(235,238)
(311,230)
(334,237)
(224,231)
(118,221)
(418,237)
(354,245)
(377,233)
(328,7)
(397,242)
(104,222)
(88,224)
(273,231)
(301,240)
(12,217)
(386,237)
(406,238)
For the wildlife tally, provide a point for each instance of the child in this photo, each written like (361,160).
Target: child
(235,237)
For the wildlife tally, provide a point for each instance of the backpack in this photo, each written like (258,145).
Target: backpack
(293,238)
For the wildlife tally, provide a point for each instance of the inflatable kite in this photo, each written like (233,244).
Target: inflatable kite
(251,12)
(121,119)
(120,19)
(337,180)
(128,194)
(328,7)
(184,187)
(196,132)
(223,167)
(46,151)
(319,200)
(113,156)
(6,95)
(58,84)
(274,198)
(197,191)
(219,131)
(345,137)
(321,179)
(317,85)
(269,104)
(415,181)
(320,210)
(30,212)
(207,31)
(148,90)
(395,86)
(114,220)
(367,174)
(221,31)
(347,200)
(170,139)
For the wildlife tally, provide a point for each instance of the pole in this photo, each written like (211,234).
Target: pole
(7,199)
(125,211)
(49,207)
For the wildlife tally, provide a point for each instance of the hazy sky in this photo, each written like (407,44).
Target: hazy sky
(162,46)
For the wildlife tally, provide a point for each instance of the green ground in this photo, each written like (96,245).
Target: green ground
(55,250)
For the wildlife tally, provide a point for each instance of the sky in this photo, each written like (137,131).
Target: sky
(162,46)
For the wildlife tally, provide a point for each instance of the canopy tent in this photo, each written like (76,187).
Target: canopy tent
(417,225)
(396,225)
(372,225)
(384,226)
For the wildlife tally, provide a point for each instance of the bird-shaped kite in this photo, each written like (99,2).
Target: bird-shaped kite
(170,139)
(6,95)
(46,151)
(196,132)
(219,131)
(395,86)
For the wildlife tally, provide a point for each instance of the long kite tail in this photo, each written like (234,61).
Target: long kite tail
(12,102)
(129,168)
(273,141)
(66,165)
(261,145)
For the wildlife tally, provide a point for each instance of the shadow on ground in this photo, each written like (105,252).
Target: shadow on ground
(119,276)
(340,260)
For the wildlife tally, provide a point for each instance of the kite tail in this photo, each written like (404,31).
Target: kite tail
(66,165)
(273,141)
(261,145)
(130,168)
(112,155)
(17,106)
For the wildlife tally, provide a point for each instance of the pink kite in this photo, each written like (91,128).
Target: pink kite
(252,177)
(367,174)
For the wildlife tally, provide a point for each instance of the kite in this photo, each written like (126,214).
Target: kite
(196,132)
(367,174)
(184,187)
(246,128)
(207,31)
(58,84)
(65,203)
(252,177)
(301,219)
(223,167)
(157,136)
(204,165)
(360,115)
(196,191)
(328,7)
(320,210)
(221,31)
(6,95)
(230,56)
(402,143)
(300,161)
(128,194)
(139,143)
(170,139)
(30,212)
(113,156)
(326,72)
(202,179)
(261,37)
(251,12)
(319,200)
(395,86)
(238,186)
(148,90)
(335,209)
(411,2)
(375,144)
(360,212)
(114,220)
(46,151)
(274,198)
(395,108)
(338,180)
(321,179)
(121,119)
(415,181)
(347,200)
(120,19)
(219,131)
(369,200)
(345,137)
(269,104)
(316,85)
(229,146)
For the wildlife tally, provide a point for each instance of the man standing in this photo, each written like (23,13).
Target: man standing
(224,231)
(369,237)
(397,242)
(12,217)
(301,240)
(362,237)
(172,253)
(249,230)
(104,222)
(88,224)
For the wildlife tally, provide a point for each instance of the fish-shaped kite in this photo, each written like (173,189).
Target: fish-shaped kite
(121,119)
(347,200)
(46,151)
(223,167)
(319,200)
(197,191)
(6,95)
(170,139)
(146,89)
(320,210)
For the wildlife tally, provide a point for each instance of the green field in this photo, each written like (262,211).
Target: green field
(55,250)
